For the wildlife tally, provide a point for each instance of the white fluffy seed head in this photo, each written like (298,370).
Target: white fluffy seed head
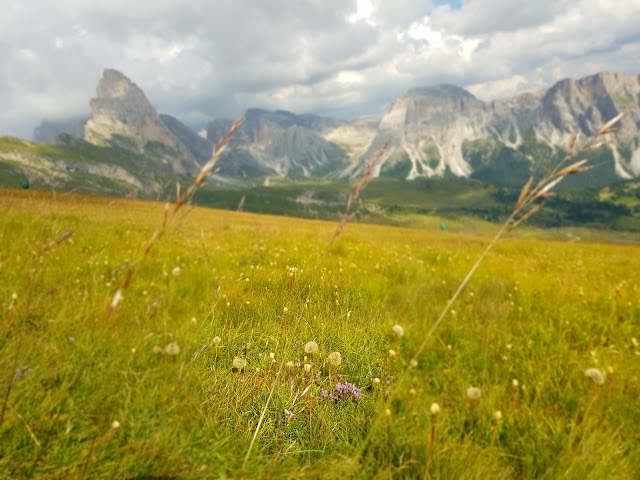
(216,341)
(596,375)
(311,348)
(376,381)
(474,393)
(398,330)
(435,409)
(334,359)
(239,363)
(172,349)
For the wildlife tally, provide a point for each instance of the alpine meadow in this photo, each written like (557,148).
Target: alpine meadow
(149,341)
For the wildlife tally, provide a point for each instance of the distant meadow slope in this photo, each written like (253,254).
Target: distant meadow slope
(232,346)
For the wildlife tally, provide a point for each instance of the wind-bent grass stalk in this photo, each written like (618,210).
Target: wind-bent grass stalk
(530,200)
(348,215)
(207,170)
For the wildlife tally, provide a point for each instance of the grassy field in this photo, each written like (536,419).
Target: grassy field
(198,369)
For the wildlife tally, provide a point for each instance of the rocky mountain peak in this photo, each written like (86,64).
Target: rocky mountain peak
(122,115)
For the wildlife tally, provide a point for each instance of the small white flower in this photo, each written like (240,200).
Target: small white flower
(596,375)
(398,330)
(285,310)
(176,271)
(272,356)
(14,296)
(376,381)
(435,409)
(311,348)
(515,384)
(392,354)
(172,349)
(413,363)
(307,367)
(474,393)
(115,425)
(334,359)
(290,364)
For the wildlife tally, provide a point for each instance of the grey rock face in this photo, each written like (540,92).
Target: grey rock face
(279,143)
(122,115)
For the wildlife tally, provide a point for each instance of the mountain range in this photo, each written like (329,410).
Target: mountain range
(434,131)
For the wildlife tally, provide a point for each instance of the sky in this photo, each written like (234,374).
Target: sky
(205,59)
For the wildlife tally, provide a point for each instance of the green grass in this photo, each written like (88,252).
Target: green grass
(539,311)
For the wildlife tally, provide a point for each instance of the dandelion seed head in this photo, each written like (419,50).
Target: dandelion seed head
(398,330)
(216,340)
(172,349)
(474,393)
(376,381)
(334,359)
(311,348)
(176,271)
(497,417)
(239,363)
(596,375)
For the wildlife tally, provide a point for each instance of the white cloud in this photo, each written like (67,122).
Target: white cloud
(198,59)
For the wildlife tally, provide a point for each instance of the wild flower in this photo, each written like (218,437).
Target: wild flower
(376,381)
(290,364)
(288,413)
(413,363)
(334,359)
(473,393)
(115,425)
(172,349)
(239,363)
(398,330)
(23,372)
(307,368)
(434,409)
(596,375)
(216,341)
(311,348)
(176,271)
(392,353)
(345,391)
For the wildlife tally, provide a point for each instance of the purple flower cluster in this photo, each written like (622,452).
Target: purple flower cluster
(342,391)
